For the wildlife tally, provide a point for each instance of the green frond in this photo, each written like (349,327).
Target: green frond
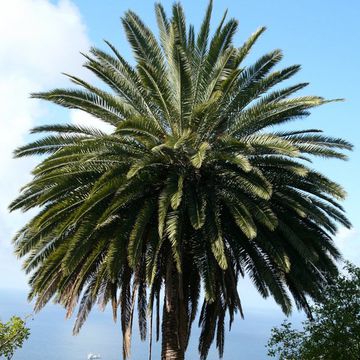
(196,208)
(278,95)
(198,158)
(181,77)
(236,158)
(247,78)
(164,201)
(203,35)
(173,231)
(217,248)
(221,41)
(162,22)
(245,49)
(241,215)
(48,144)
(122,78)
(252,182)
(89,102)
(261,116)
(177,196)
(142,40)
(178,20)
(68,128)
(138,233)
(268,144)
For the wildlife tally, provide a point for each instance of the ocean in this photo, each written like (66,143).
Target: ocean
(51,335)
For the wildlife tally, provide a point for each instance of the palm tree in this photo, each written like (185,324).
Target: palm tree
(192,189)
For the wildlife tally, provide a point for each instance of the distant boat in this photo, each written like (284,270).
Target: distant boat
(93,357)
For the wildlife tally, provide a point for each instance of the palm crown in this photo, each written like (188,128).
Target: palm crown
(193,188)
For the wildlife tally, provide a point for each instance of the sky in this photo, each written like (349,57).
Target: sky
(40,39)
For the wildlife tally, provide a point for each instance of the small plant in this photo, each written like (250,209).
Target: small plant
(12,336)
(334,331)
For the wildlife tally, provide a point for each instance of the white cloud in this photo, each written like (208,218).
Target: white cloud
(38,41)
(348,241)
(79,117)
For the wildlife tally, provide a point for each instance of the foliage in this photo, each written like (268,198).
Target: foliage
(334,331)
(12,336)
(193,177)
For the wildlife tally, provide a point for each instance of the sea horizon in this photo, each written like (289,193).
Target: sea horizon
(51,334)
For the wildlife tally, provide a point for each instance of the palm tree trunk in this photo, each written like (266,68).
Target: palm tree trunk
(174,334)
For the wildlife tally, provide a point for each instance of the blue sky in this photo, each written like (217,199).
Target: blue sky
(41,38)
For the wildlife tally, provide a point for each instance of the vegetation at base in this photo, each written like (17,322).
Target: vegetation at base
(334,331)
(12,336)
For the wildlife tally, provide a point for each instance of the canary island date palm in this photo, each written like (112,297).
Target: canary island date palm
(192,189)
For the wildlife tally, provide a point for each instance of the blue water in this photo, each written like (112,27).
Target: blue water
(51,335)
